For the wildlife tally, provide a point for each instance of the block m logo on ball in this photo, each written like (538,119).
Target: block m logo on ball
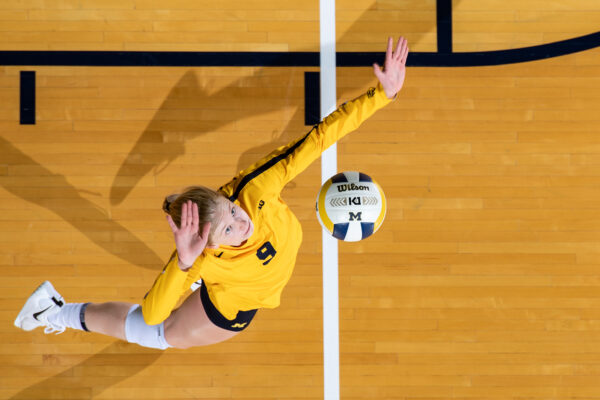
(355,217)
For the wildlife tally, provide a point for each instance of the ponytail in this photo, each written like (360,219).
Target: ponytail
(168,200)
(207,201)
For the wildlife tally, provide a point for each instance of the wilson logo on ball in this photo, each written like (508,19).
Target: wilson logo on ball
(351,206)
(352,186)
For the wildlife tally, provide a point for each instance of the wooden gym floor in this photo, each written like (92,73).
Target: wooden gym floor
(483,282)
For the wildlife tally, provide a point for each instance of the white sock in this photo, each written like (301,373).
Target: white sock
(70,316)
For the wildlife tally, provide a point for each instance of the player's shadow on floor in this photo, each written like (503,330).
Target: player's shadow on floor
(81,213)
(171,134)
(90,219)
(94,375)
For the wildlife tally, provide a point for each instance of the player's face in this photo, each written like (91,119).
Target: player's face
(234,226)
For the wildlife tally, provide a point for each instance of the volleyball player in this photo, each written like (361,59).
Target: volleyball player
(241,241)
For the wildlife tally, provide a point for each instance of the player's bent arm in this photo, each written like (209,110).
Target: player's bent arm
(164,294)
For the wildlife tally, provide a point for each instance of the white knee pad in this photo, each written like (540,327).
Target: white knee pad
(137,331)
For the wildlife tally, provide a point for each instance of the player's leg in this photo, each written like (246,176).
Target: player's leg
(107,318)
(47,308)
(198,323)
(189,326)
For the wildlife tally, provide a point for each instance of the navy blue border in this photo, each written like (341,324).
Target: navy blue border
(444,25)
(312,98)
(291,59)
(27,98)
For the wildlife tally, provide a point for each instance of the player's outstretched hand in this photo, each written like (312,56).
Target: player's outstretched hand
(394,70)
(190,243)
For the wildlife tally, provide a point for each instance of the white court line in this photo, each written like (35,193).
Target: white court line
(331,342)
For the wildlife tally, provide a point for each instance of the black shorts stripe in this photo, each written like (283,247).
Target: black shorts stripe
(241,321)
(247,178)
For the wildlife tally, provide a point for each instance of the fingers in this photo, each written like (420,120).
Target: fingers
(398,51)
(190,219)
(172,224)
(400,54)
(206,231)
(184,215)
(377,71)
(404,55)
(401,51)
(389,54)
(195,217)
(189,216)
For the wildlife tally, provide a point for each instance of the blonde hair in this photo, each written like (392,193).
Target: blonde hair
(208,204)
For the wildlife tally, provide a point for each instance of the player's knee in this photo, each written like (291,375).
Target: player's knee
(137,331)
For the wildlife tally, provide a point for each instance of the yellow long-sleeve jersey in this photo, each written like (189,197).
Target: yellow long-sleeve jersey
(253,275)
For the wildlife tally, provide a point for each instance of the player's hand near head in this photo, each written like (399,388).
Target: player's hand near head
(392,75)
(189,241)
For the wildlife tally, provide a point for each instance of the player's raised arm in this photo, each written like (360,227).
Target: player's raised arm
(285,163)
(392,75)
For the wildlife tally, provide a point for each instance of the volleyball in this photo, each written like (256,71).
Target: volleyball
(351,206)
